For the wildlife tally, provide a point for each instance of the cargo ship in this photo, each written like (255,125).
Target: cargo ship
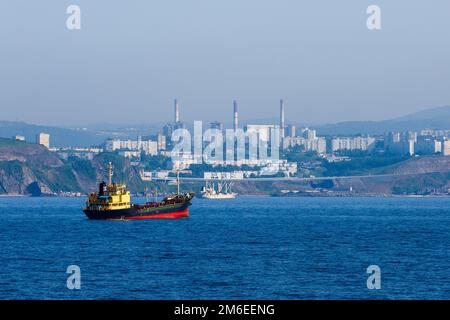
(113,202)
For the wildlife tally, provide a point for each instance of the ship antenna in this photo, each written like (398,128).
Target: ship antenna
(110,173)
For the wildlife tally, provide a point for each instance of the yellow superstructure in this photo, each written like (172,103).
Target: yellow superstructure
(111,196)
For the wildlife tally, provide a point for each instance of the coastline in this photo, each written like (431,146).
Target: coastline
(322,195)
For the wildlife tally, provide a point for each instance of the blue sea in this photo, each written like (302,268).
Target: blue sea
(246,248)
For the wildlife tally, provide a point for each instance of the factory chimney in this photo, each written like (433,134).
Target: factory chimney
(282,126)
(177,111)
(235,116)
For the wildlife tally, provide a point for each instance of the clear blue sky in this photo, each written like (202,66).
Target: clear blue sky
(132,58)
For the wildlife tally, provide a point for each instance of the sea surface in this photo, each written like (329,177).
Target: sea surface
(246,248)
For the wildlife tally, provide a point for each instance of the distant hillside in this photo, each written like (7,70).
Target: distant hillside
(31,169)
(59,137)
(419,165)
(436,118)
(27,168)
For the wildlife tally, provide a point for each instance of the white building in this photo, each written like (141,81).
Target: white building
(331,158)
(291,131)
(446,147)
(82,153)
(149,147)
(289,169)
(435,133)
(317,144)
(309,134)
(130,154)
(162,142)
(428,145)
(262,130)
(43,139)
(233,175)
(396,143)
(352,143)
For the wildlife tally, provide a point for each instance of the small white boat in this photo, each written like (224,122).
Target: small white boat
(223,191)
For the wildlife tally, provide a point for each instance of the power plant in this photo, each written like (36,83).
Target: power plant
(282,123)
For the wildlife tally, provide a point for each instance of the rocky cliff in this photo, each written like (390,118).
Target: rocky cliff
(32,169)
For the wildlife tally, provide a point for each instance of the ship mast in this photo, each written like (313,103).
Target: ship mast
(178,182)
(110,173)
(177,178)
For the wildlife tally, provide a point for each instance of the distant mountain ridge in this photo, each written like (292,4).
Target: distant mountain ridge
(59,137)
(92,135)
(435,118)
(430,114)
(84,136)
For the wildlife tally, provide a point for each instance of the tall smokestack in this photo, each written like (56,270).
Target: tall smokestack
(235,116)
(177,111)
(282,129)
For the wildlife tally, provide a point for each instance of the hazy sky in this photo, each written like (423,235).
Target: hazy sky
(132,58)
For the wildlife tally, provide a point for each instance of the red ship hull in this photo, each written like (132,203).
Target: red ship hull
(167,215)
(153,210)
